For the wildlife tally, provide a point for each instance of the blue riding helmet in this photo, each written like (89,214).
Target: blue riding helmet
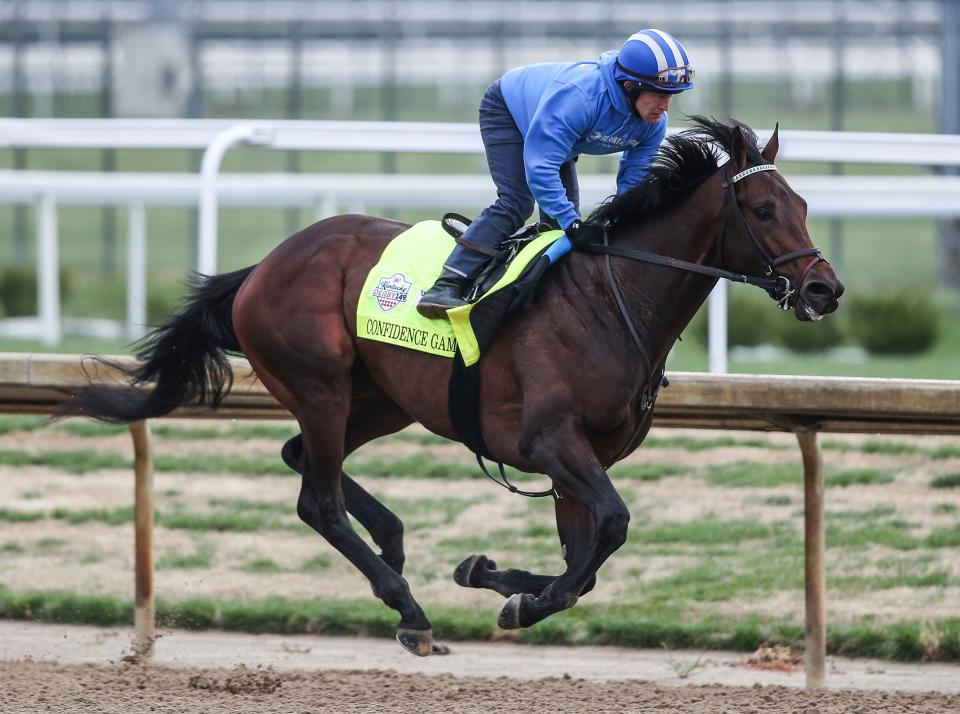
(656,60)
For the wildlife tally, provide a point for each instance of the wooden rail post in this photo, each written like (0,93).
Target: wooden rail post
(143,539)
(816,644)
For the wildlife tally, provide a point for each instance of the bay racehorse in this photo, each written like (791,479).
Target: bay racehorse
(564,389)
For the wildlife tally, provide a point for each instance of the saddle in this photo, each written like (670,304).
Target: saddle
(498,259)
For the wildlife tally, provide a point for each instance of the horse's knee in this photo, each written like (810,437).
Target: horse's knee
(324,518)
(612,527)
(292,453)
(591,583)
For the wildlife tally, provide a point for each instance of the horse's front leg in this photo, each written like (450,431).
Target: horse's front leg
(574,526)
(564,453)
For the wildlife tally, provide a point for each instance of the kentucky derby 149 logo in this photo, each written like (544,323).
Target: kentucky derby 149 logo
(391,291)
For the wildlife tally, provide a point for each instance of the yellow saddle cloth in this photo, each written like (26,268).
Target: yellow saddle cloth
(387,310)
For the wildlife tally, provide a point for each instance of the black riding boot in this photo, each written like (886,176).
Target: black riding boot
(445,294)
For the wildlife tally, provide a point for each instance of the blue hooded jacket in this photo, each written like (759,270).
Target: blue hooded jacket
(572,108)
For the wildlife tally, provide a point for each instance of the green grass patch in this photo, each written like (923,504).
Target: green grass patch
(945,452)
(416,465)
(220,521)
(91,429)
(624,625)
(890,447)
(945,508)
(708,531)
(423,438)
(13,516)
(944,537)
(690,443)
(946,481)
(262,565)
(223,463)
(858,477)
(201,558)
(850,584)
(12,548)
(75,462)
(242,505)
(50,543)
(778,500)
(16,424)
(433,510)
(891,535)
(235,432)
(746,474)
(320,561)
(645,471)
(859,516)
(86,460)
(109,516)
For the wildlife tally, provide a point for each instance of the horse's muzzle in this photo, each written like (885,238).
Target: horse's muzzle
(818,297)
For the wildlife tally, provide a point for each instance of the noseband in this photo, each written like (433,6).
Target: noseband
(782,290)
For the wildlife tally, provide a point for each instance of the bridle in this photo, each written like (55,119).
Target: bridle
(775,283)
(782,290)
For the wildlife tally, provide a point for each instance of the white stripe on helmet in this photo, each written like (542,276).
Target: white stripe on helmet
(655,48)
(677,54)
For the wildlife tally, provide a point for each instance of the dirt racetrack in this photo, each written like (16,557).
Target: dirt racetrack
(55,668)
(129,688)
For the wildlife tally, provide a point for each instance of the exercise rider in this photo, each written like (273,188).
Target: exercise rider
(536,120)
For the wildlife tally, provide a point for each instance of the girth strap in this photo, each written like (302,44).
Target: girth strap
(505,482)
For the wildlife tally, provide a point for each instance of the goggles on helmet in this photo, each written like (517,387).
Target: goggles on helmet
(669,78)
(674,77)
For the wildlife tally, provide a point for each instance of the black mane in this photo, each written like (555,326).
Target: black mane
(684,161)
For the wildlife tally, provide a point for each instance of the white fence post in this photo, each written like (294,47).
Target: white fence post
(48,271)
(136,270)
(718,328)
(209,170)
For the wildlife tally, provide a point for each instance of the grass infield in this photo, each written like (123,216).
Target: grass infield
(621,625)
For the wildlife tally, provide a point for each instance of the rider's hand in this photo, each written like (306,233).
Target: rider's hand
(580,233)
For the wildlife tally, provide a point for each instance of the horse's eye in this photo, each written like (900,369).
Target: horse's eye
(764,212)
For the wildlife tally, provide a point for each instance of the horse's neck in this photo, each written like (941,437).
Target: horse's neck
(663,300)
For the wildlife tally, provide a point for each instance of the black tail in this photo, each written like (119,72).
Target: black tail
(183,361)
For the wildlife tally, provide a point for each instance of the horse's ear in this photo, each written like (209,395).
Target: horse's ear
(773,145)
(738,150)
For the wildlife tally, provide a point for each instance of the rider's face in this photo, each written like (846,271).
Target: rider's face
(651,105)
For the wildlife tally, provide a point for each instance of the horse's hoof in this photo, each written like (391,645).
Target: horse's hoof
(418,642)
(509,617)
(439,649)
(463,572)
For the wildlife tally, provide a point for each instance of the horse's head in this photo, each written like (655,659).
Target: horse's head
(765,225)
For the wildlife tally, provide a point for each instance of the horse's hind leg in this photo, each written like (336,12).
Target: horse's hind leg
(321,505)
(384,527)
(574,525)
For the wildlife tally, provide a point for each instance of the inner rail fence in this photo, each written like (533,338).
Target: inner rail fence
(828,196)
(805,406)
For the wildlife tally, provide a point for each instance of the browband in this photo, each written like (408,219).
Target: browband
(751,170)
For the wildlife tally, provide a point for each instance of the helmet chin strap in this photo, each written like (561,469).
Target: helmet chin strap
(632,95)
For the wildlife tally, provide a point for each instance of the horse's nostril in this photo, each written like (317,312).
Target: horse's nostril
(817,290)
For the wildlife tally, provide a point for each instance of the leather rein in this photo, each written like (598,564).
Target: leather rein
(775,283)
